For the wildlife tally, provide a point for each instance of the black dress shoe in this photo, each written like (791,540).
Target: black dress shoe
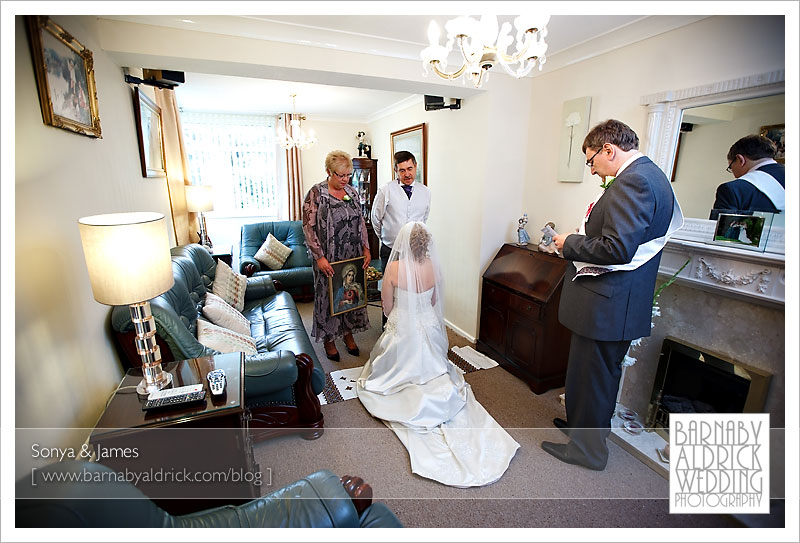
(354,352)
(559,450)
(561,424)
(335,357)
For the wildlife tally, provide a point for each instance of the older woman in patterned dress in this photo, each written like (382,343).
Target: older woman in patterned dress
(335,230)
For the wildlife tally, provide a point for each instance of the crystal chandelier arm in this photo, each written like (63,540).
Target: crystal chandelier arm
(444,75)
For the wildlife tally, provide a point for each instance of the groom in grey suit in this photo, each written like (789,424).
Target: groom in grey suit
(608,301)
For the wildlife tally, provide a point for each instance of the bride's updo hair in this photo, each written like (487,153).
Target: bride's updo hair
(418,240)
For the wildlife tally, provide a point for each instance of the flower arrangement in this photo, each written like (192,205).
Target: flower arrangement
(607,183)
(346,198)
(656,312)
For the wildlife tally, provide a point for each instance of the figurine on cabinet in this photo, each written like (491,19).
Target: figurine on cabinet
(522,235)
(364,149)
(546,244)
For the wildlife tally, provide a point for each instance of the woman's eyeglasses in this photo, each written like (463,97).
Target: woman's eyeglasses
(343,176)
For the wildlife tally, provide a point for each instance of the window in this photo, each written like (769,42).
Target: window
(238,156)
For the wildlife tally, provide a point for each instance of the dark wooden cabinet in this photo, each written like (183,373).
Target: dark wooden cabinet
(365,181)
(519,325)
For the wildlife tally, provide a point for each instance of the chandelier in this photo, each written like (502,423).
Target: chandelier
(483,45)
(296,136)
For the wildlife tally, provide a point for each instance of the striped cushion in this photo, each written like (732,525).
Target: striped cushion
(224,340)
(229,285)
(273,253)
(222,314)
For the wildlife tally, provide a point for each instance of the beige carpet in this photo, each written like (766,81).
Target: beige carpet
(536,491)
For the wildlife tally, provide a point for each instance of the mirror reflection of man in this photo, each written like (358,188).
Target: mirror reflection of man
(399,202)
(759,183)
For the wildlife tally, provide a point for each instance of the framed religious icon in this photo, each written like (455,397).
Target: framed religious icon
(64,78)
(414,140)
(151,139)
(347,289)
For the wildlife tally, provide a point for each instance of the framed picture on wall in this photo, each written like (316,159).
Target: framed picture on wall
(64,78)
(414,140)
(149,132)
(347,288)
(574,127)
(775,132)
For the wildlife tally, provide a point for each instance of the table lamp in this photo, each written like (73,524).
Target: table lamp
(127,256)
(198,199)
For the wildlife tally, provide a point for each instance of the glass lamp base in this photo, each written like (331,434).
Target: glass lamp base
(144,389)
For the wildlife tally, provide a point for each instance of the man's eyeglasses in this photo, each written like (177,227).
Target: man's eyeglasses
(590,162)
(343,176)
(728,169)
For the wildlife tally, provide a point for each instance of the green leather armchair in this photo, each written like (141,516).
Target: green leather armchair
(295,277)
(318,500)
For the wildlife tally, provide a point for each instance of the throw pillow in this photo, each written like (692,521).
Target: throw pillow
(273,253)
(222,314)
(224,340)
(229,285)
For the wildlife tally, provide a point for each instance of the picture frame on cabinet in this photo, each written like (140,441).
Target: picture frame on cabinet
(150,134)
(65,81)
(414,140)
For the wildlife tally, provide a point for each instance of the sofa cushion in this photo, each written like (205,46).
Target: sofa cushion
(229,285)
(273,253)
(222,314)
(224,340)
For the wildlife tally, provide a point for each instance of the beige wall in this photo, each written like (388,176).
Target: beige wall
(331,135)
(65,361)
(710,50)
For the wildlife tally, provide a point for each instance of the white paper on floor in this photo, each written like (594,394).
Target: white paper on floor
(479,360)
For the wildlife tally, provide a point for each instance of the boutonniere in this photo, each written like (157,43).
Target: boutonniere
(608,181)
(346,198)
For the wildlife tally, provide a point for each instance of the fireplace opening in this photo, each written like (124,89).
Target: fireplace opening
(690,379)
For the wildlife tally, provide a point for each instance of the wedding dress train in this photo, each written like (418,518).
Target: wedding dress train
(410,384)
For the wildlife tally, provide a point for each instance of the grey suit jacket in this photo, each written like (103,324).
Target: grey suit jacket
(617,305)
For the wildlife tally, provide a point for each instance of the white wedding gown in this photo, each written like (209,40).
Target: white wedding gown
(411,385)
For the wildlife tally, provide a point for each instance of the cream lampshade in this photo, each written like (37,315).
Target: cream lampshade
(127,256)
(199,198)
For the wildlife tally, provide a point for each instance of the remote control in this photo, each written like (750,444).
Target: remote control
(177,391)
(216,382)
(175,401)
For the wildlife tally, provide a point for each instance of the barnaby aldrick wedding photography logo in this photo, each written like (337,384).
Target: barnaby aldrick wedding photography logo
(719,463)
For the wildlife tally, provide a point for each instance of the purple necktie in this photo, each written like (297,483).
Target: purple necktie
(407,188)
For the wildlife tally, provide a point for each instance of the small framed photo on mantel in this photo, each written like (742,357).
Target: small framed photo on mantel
(743,231)
(348,287)
(64,78)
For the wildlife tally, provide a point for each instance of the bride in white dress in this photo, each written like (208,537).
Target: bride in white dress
(411,385)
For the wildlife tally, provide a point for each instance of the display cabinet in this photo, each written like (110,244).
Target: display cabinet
(365,181)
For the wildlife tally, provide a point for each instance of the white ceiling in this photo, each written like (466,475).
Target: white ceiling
(571,38)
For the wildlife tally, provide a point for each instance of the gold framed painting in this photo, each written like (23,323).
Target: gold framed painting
(413,139)
(347,289)
(64,78)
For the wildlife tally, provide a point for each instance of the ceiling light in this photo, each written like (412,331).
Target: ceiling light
(297,137)
(483,45)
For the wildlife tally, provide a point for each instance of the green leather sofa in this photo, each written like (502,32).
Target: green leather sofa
(317,501)
(281,382)
(295,277)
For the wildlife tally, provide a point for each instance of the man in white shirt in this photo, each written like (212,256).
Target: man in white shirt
(399,202)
